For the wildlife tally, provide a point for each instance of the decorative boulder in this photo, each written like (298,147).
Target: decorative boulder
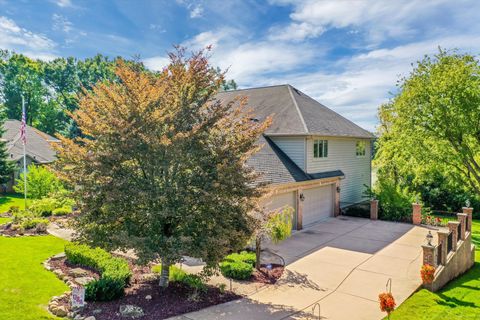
(131,311)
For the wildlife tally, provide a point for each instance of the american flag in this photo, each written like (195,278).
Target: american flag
(23,127)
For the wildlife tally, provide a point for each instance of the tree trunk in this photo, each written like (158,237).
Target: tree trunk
(258,251)
(164,275)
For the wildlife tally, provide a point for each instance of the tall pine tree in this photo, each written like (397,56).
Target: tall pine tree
(6,165)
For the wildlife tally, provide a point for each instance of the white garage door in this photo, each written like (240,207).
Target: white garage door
(318,204)
(281,200)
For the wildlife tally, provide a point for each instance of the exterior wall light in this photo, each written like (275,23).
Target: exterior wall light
(429,238)
(338,189)
(302,197)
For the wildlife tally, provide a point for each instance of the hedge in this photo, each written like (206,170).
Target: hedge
(178,275)
(236,270)
(115,273)
(244,256)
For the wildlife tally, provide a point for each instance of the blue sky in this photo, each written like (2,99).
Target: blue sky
(346,54)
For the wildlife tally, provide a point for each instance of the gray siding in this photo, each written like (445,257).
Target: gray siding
(341,156)
(294,148)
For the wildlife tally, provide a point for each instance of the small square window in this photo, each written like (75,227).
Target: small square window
(320,148)
(361,147)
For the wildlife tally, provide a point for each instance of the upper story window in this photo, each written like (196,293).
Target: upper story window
(320,148)
(361,148)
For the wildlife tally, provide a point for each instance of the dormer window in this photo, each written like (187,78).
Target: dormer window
(361,147)
(320,148)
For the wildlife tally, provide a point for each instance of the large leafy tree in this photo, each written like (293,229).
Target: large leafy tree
(431,128)
(161,168)
(6,165)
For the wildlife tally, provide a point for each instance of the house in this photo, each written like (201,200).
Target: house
(315,160)
(39,148)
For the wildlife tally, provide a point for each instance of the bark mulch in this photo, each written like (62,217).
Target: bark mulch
(268,275)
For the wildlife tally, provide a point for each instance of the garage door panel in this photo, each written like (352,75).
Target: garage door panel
(318,204)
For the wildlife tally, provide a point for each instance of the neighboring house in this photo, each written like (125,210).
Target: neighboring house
(39,148)
(315,160)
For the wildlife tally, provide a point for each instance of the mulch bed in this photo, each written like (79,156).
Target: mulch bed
(268,275)
(6,230)
(164,303)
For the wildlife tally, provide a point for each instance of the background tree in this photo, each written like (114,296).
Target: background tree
(430,131)
(6,165)
(40,182)
(163,170)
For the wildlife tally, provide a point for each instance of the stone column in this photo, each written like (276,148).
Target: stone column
(442,239)
(374,209)
(417,213)
(469,212)
(299,210)
(429,255)
(462,218)
(453,227)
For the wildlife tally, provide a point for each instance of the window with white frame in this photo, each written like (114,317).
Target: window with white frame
(361,148)
(320,148)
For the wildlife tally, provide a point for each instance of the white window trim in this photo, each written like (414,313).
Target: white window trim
(313,149)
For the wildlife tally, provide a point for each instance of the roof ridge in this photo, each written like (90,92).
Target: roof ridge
(254,88)
(297,108)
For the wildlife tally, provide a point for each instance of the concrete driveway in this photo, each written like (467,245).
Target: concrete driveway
(339,265)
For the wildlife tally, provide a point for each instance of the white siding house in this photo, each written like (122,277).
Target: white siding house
(314,160)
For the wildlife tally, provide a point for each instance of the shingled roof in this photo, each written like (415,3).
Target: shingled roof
(39,144)
(295,113)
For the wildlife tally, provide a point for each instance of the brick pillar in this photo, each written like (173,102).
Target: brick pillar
(442,239)
(462,218)
(417,213)
(336,191)
(374,209)
(469,212)
(429,255)
(453,227)
(299,210)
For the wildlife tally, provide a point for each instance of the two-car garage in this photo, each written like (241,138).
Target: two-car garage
(311,205)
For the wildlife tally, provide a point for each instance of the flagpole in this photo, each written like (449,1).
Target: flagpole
(24,116)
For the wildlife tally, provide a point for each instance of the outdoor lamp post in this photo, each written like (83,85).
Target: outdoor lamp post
(429,238)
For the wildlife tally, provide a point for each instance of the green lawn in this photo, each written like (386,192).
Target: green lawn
(460,299)
(11,199)
(25,286)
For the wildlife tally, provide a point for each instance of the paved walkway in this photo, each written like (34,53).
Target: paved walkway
(342,264)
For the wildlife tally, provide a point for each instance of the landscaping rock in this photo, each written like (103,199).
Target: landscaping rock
(78,272)
(148,297)
(59,311)
(90,318)
(59,273)
(97,311)
(59,256)
(149,276)
(131,311)
(84,280)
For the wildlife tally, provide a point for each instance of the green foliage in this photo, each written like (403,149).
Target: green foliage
(62,211)
(244,256)
(428,137)
(43,207)
(178,275)
(30,223)
(40,182)
(395,202)
(7,166)
(280,225)
(236,270)
(14,209)
(115,272)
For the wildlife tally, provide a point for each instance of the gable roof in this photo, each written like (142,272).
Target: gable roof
(38,147)
(275,167)
(295,113)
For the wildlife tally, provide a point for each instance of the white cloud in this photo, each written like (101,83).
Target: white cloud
(156,63)
(379,20)
(63,3)
(196,11)
(61,23)
(13,37)
(296,31)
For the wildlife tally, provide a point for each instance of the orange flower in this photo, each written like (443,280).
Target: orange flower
(427,273)
(387,302)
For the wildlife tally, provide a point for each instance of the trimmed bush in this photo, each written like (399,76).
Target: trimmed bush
(62,211)
(43,207)
(34,223)
(236,270)
(115,273)
(244,256)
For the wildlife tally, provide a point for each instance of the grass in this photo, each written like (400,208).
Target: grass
(460,299)
(25,286)
(4,220)
(12,199)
